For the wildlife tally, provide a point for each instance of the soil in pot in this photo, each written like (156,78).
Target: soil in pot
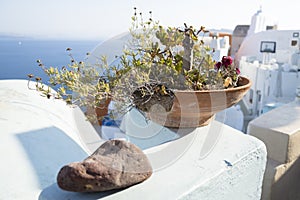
(149,95)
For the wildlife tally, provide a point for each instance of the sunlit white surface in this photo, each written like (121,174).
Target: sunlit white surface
(39,136)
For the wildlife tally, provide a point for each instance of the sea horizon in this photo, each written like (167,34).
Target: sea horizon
(19,55)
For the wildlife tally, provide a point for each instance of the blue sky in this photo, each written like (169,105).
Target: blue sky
(102,19)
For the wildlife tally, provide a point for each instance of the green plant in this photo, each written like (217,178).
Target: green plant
(79,83)
(180,52)
(176,58)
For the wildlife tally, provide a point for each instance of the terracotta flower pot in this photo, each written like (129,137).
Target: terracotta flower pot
(102,110)
(197,108)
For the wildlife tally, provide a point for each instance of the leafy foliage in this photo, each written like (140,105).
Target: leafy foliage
(179,54)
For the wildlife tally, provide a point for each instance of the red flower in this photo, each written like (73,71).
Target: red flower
(226,61)
(238,71)
(218,65)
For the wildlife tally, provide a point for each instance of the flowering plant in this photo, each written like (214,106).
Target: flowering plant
(164,59)
(156,61)
(177,57)
(227,71)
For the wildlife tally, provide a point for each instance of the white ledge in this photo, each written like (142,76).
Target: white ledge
(279,129)
(39,136)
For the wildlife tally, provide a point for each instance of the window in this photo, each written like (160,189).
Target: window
(296,34)
(267,47)
(294,42)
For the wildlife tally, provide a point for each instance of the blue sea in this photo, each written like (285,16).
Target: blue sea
(18,56)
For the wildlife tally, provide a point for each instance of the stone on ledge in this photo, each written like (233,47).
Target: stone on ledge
(115,164)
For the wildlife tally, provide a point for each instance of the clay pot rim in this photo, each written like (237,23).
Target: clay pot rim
(247,85)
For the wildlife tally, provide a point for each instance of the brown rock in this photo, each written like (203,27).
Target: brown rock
(115,164)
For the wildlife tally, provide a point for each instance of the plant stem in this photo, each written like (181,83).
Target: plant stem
(188,52)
